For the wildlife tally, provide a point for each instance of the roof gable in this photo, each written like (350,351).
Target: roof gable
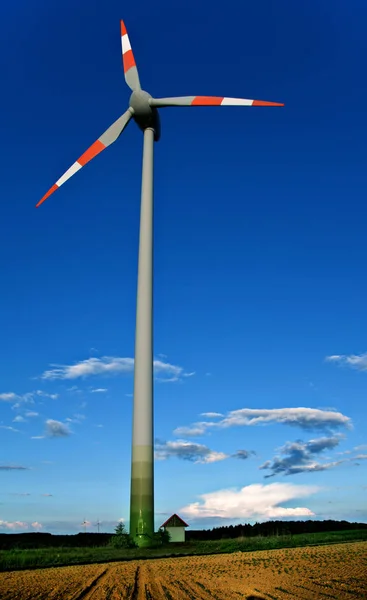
(174,521)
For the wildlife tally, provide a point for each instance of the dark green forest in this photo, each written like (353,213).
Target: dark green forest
(271,528)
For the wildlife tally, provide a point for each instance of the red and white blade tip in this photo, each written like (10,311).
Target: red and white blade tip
(222,101)
(92,151)
(264,103)
(123,28)
(127,54)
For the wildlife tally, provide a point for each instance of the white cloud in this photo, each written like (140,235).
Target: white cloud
(37,437)
(99,391)
(31,413)
(172,379)
(360,457)
(46,395)
(211,415)
(46,495)
(13,525)
(18,419)
(56,428)
(26,398)
(252,501)
(8,396)
(90,366)
(109,365)
(355,361)
(17,525)
(194,430)
(197,453)
(77,418)
(305,418)
(165,372)
(9,428)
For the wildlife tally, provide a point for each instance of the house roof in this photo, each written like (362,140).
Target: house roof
(174,521)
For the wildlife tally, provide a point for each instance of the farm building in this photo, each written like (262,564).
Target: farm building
(176,528)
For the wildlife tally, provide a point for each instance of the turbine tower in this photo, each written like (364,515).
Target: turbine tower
(143,109)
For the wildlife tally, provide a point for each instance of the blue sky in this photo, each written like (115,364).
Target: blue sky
(260,220)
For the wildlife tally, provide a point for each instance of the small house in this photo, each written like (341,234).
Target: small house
(176,528)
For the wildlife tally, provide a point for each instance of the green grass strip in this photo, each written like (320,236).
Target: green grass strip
(18,559)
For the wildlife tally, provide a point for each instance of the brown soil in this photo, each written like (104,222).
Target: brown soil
(337,572)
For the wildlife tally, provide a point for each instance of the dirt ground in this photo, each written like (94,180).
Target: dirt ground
(338,571)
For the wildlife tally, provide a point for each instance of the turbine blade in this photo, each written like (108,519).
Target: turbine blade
(208,101)
(128,61)
(107,138)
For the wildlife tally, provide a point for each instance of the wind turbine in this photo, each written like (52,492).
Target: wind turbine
(85,523)
(143,109)
(97,524)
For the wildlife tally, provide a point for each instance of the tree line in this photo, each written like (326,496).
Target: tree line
(268,528)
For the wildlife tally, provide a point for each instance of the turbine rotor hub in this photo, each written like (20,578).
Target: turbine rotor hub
(145,115)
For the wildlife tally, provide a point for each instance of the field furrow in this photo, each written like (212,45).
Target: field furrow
(308,573)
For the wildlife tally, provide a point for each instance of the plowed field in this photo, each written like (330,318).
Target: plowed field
(338,571)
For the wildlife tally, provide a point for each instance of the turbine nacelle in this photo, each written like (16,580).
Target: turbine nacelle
(145,115)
